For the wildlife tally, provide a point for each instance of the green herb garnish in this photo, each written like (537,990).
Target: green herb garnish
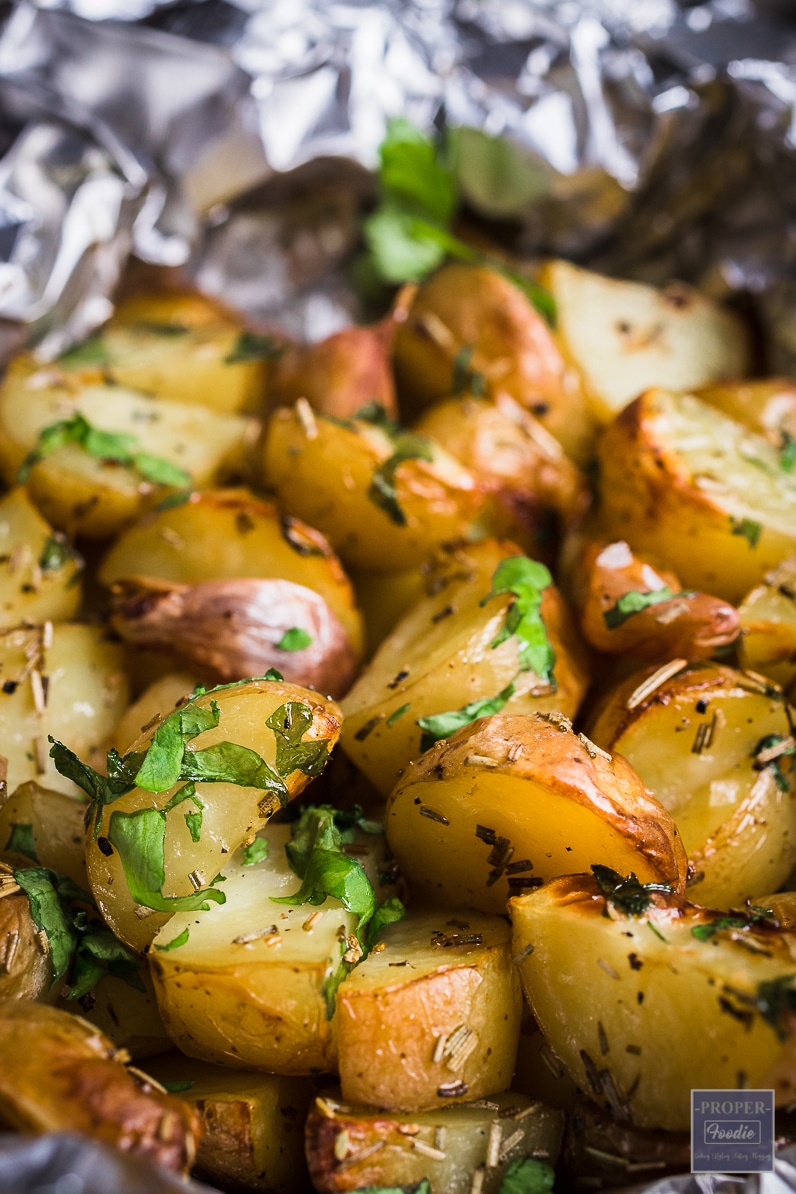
(467,380)
(527,1176)
(118,447)
(774,765)
(397,714)
(634,602)
(525,579)
(251,346)
(776,1001)
(20,841)
(290,722)
(93,351)
(628,894)
(748,528)
(255,852)
(787,451)
(176,942)
(294,639)
(382,491)
(177,1087)
(441,725)
(57,552)
(755,916)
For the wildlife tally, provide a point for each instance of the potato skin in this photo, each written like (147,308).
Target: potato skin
(540,797)
(61,1074)
(25,968)
(715,518)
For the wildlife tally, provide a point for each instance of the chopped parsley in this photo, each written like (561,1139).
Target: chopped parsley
(755,916)
(117,447)
(627,894)
(776,1002)
(787,451)
(290,722)
(408,235)
(634,602)
(57,552)
(178,1086)
(526,1175)
(397,714)
(382,491)
(251,346)
(748,528)
(441,725)
(294,639)
(774,765)
(255,852)
(93,351)
(525,579)
(422,1187)
(467,380)
(20,841)
(176,942)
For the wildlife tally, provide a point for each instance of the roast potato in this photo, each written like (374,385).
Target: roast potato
(160,697)
(40,574)
(25,969)
(126,1012)
(455,1148)
(209,820)
(768,625)
(682,482)
(623,337)
(696,739)
(767,406)
(449,656)
(47,826)
(432,1017)
(60,1074)
(643,995)
(512,802)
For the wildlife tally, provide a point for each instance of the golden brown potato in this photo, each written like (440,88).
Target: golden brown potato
(228,534)
(698,491)
(471,329)
(64,679)
(384,597)
(451,659)
(385,498)
(40,574)
(25,969)
(443,1029)
(158,698)
(230,629)
(768,625)
(47,826)
(184,347)
(697,739)
(623,337)
(512,802)
(252,1124)
(156,850)
(628,607)
(340,375)
(643,995)
(765,406)
(60,1074)
(456,1148)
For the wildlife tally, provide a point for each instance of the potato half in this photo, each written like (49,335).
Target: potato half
(40,574)
(765,406)
(229,813)
(444,655)
(511,802)
(768,625)
(640,1008)
(60,1074)
(623,337)
(694,738)
(698,491)
(432,1017)
(455,1148)
(48,826)
(25,968)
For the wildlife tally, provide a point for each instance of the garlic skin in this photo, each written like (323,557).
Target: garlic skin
(229,630)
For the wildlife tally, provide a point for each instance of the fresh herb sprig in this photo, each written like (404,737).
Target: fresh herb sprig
(525,580)
(626,893)
(634,602)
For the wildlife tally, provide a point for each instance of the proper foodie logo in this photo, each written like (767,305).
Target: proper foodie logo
(732,1131)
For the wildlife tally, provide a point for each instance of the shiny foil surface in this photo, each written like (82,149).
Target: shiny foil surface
(235,138)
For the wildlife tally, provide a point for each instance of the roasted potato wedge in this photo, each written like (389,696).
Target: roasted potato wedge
(47,826)
(448,658)
(127,1014)
(40,574)
(85,493)
(766,406)
(512,802)
(682,482)
(60,1074)
(385,498)
(228,534)
(25,970)
(470,329)
(191,847)
(433,1017)
(623,337)
(454,1148)
(184,347)
(628,607)
(252,1137)
(768,626)
(643,996)
(230,629)
(66,680)
(696,739)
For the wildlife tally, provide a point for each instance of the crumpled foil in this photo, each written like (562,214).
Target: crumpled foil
(233,139)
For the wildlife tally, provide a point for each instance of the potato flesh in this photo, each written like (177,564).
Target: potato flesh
(251,1123)
(128,1017)
(624,337)
(254,1004)
(57,822)
(85,698)
(674,1011)
(232,812)
(698,491)
(439,657)
(28,592)
(768,621)
(395,1025)
(229,534)
(339,1134)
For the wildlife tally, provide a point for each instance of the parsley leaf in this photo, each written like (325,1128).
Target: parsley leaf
(467,380)
(57,552)
(294,639)
(776,1002)
(49,914)
(178,1086)
(787,452)
(411,167)
(748,528)
(20,841)
(255,852)
(163,762)
(633,602)
(289,723)
(251,346)
(755,916)
(388,912)
(382,491)
(93,351)
(118,447)
(422,1187)
(176,942)
(527,1176)
(525,579)
(441,725)
(627,894)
